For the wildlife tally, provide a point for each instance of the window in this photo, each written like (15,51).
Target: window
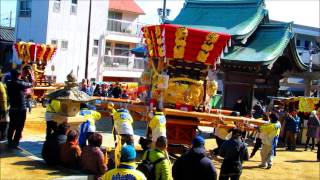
(56,6)
(114,21)
(95,48)
(298,43)
(115,15)
(121,50)
(306,44)
(108,48)
(64,45)
(25,8)
(54,42)
(73,9)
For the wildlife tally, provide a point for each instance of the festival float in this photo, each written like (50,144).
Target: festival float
(180,77)
(37,56)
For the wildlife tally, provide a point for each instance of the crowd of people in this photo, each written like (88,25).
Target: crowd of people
(82,148)
(290,121)
(114,90)
(195,163)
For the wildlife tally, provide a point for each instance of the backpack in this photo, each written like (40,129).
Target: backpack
(84,127)
(148,168)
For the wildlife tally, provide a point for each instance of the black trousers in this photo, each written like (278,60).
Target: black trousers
(256,147)
(226,177)
(51,128)
(3,130)
(219,141)
(128,139)
(16,125)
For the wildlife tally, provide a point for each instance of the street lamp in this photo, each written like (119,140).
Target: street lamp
(163,12)
(311,52)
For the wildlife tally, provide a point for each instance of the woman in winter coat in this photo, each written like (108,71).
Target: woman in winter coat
(313,124)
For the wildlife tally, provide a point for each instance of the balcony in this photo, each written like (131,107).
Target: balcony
(122,27)
(124,63)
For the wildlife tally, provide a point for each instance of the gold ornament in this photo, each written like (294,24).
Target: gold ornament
(180,42)
(207,47)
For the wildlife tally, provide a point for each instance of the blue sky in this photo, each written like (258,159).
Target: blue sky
(6,7)
(305,12)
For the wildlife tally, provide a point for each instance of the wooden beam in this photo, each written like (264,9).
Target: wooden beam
(211,117)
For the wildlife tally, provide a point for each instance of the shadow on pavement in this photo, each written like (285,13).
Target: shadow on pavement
(301,161)
(38,165)
(251,167)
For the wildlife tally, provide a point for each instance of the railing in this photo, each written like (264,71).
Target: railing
(124,27)
(126,63)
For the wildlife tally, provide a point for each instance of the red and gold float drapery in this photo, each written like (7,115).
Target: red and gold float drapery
(30,52)
(177,42)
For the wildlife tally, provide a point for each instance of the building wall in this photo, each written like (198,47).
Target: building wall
(303,35)
(99,19)
(64,26)
(130,17)
(33,27)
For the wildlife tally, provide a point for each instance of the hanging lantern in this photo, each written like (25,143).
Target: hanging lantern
(50,50)
(30,50)
(41,49)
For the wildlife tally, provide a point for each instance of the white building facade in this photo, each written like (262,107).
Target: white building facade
(65,24)
(123,33)
(308,38)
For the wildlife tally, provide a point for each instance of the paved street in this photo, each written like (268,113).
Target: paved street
(26,163)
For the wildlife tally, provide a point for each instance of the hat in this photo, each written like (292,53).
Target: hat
(236,132)
(128,153)
(198,141)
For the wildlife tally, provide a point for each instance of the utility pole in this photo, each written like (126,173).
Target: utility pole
(88,42)
(10,19)
(164,11)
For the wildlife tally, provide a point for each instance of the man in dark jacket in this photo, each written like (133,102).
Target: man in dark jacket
(51,147)
(116,91)
(240,106)
(17,113)
(234,152)
(194,164)
(292,128)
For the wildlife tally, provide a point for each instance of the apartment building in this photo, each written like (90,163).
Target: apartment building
(65,24)
(123,33)
(308,44)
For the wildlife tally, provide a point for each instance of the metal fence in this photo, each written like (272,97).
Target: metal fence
(124,63)
(125,27)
